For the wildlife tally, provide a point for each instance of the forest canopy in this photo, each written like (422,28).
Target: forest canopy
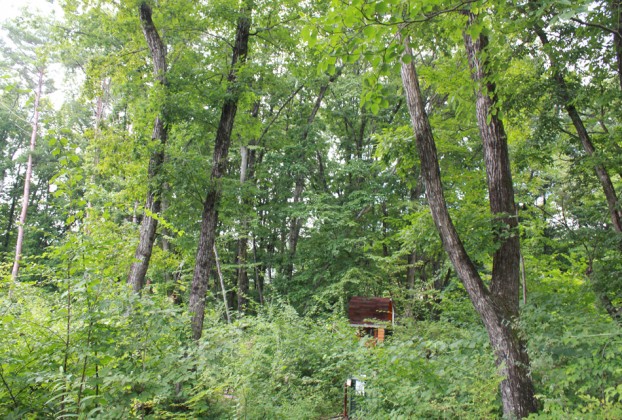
(181,235)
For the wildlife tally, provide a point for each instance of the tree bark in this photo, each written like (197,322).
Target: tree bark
(516,388)
(564,95)
(204,260)
(614,312)
(26,196)
(153,203)
(505,283)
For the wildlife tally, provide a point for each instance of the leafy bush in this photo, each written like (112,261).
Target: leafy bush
(275,365)
(575,349)
(79,343)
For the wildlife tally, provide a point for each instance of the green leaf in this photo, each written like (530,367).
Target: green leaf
(369,31)
(382,7)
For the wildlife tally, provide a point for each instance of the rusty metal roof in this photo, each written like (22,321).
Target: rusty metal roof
(370,311)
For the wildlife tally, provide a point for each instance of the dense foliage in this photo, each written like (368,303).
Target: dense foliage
(321,198)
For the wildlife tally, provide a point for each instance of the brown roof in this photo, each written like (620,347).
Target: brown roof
(370,311)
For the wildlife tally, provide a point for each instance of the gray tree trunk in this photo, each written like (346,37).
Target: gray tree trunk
(247,173)
(153,203)
(27,178)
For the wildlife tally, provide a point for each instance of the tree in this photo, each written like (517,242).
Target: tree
(31,54)
(248,157)
(496,305)
(566,91)
(27,179)
(153,204)
(205,254)
(496,313)
(517,389)
(295,223)
(588,146)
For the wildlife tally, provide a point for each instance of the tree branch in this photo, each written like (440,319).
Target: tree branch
(597,25)
(267,127)
(8,388)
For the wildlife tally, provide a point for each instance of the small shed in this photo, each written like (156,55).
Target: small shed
(371,314)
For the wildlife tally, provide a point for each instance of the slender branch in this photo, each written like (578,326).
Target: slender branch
(132,52)
(269,27)
(86,358)
(68,340)
(8,388)
(426,16)
(17,116)
(52,332)
(267,127)
(569,133)
(597,25)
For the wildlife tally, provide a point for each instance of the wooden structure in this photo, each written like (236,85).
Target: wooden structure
(371,315)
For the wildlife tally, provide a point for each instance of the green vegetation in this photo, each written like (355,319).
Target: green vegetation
(284,135)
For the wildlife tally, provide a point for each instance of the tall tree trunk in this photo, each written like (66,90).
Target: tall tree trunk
(506,260)
(153,204)
(385,229)
(27,178)
(242,254)
(616,12)
(204,260)
(411,272)
(413,257)
(601,172)
(295,223)
(586,141)
(100,107)
(516,388)
(259,270)
(517,391)
(247,173)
